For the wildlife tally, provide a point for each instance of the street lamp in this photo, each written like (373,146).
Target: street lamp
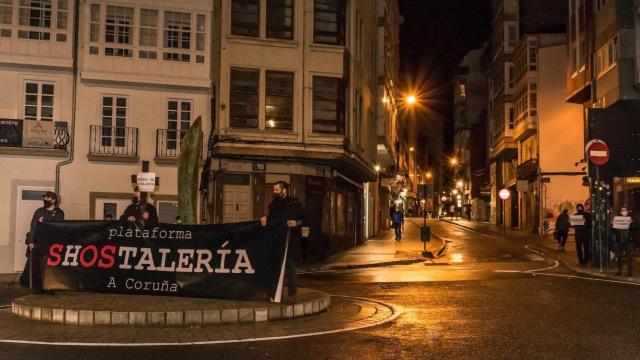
(411,99)
(453,161)
(460,184)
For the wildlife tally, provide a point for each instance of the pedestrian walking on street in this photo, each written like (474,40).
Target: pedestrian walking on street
(467,209)
(32,274)
(287,211)
(397,222)
(583,236)
(140,210)
(624,245)
(562,228)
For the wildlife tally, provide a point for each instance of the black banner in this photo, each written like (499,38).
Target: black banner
(239,261)
(10,132)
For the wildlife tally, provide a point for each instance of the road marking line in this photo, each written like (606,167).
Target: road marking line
(534,257)
(587,278)
(395,309)
(5,306)
(556,263)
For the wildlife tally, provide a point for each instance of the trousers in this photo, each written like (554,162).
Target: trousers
(583,248)
(624,252)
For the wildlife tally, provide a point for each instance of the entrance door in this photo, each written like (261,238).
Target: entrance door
(237,203)
(29,199)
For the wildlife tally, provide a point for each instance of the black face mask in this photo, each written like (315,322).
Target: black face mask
(135,200)
(580,210)
(47,203)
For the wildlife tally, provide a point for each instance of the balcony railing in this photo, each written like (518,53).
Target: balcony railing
(168,143)
(15,133)
(113,141)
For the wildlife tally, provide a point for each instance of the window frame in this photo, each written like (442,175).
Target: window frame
(340,107)
(291,101)
(340,14)
(282,29)
(122,42)
(232,99)
(178,53)
(39,100)
(108,136)
(252,29)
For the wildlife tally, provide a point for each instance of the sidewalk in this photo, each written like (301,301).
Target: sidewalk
(382,251)
(546,244)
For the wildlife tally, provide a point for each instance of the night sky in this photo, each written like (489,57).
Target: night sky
(435,36)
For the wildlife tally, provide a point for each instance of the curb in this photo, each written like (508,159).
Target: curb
(207,316)
(362,266)
(581,270)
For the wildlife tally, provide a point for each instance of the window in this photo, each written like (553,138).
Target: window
(279,100)
(245,17)
(200,32)
(118,31)
(148,27)
(512,34)
(511,117)
(607,56)
(244,98)
(511,78)
(34,14)
(61,15)
(177,35)
(6,12)
(114,120)
(178,120)
(328,105)
(94,27)
(38,101)
(329,22)
(280,19)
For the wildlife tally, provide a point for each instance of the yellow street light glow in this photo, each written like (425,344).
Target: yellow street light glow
(429,175)
(377,167)
(453,161)
(411,99)
(411,148)
(460,183)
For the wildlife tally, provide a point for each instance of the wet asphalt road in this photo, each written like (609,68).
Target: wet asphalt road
(488,298)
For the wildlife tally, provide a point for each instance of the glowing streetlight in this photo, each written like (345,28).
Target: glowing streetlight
(460,183)
(453,161)
(411,99)
(377,168)
(454,192)
(411,149)
(429,175)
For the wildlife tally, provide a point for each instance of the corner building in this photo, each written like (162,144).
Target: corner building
(295,101)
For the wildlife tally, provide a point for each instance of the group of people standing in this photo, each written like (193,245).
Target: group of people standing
(621,239)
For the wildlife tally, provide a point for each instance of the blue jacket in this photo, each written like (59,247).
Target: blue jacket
(397,217)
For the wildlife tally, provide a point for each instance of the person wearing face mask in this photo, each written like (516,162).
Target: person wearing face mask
(583,237)
(50,211)
(140,210)
(287,211)
(624,245)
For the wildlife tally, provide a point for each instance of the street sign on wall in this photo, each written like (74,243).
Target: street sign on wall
(504,194)
(10,133)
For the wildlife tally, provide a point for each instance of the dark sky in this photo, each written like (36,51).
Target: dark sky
(435,36)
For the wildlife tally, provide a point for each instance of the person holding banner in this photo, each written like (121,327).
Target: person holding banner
(140,210)
(623,226)
(581,222)
(287,211)
(32,275)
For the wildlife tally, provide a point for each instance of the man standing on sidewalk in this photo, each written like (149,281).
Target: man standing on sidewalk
(397,220)
(286,210)
(624,245)
(583,236)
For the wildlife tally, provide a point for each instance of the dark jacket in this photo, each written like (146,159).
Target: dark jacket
(47,215)
(562,222)
(136,210)
(283,210)
(584,230)
(624,235)
(397,217)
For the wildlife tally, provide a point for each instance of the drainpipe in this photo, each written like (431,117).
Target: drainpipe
(70,147)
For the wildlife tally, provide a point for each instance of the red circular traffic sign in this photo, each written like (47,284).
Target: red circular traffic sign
(597,152)
(504,194)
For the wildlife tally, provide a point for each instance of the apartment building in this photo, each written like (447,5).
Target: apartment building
(512,19)
(470,125)
(549,132)
(296,101)
(602,76)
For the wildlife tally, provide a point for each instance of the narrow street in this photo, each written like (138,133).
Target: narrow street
(488,297)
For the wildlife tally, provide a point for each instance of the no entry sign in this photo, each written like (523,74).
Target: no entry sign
(597,152)
(504,194)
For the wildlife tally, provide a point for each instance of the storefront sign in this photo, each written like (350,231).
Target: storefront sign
(632,180)
(241,261)
(621,222)
(576,220)
(40,134)
(11,133)
(146,181)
